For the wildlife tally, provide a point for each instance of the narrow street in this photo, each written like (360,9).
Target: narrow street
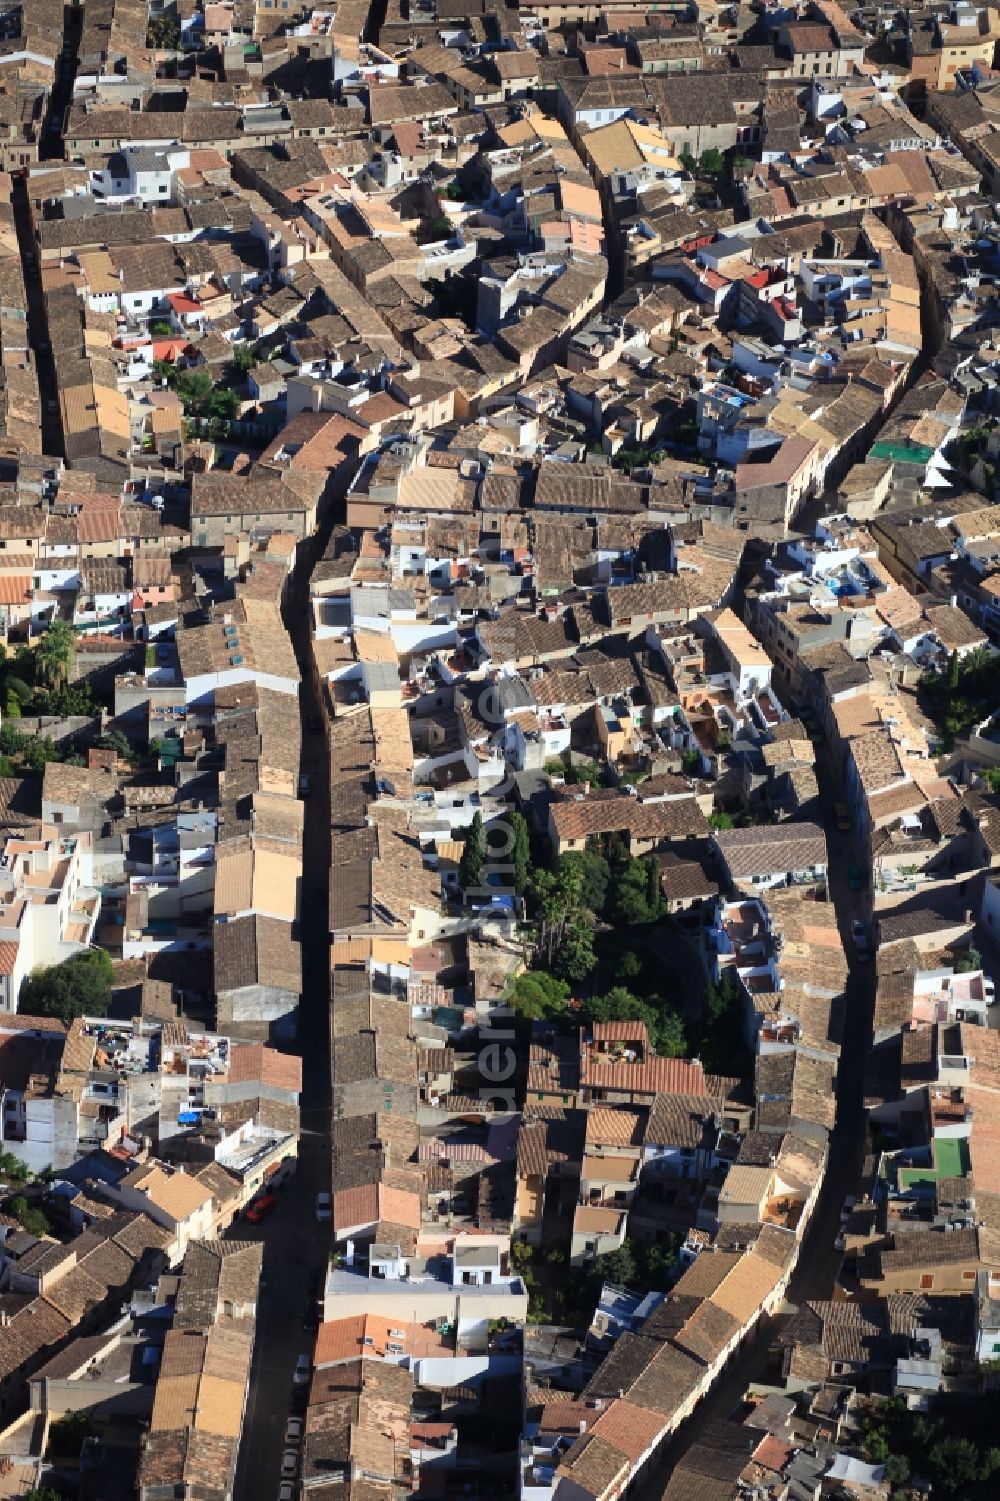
(38,328)
(296,1248)
(819,1260)
(50,148)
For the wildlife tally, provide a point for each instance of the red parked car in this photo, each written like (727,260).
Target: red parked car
(261,1208)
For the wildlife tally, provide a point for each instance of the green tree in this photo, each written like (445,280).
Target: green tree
(593,873)
(556,895)
(42,1493)
(953,671)
(161,328)
(29,1218)
(18,693)
(245,356)
(473,861)
(55,653)
(520,855)
(617,1005)
(639,1265)
(80,986)
(12,742)
(167,371)
(657,1263)
(671,1037)
(195,388)
(720,820)
(67,700)
(631,966)
(12,1167)
(163,33)
(39,751)
(114,740)
(576,958)
(223,404)
(712,163)
(582,771)
(954,1463)
(538,995)
(876,1441)
(66,1434)
(897,1469)
(617,1266)
(635,895)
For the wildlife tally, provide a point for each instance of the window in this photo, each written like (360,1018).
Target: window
(927,1281)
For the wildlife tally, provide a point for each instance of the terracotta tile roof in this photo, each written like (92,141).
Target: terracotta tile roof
(669,1379)
(653,1075)
(374,1202)
(629,1429)
(34,1328)
(582,817)
(175,1193)
(750,1282)
(250,1062)
(708,1331)
(15,588)
(377,1336)
(592,1467)
(610,1127)
(763,849)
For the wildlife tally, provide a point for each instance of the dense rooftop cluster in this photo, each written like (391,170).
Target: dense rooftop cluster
(499,772)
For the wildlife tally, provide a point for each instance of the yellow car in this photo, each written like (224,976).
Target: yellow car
(843,817)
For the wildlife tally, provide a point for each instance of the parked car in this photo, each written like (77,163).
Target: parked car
(293,1430)
(860,939)
(304,786)
(843,816)
(324,1209)
(855,878)
(303,1366)
(261,1208)
(286,1491)
(989,990)
(289,1464)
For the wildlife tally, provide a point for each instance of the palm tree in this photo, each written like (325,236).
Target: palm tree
(55,653)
